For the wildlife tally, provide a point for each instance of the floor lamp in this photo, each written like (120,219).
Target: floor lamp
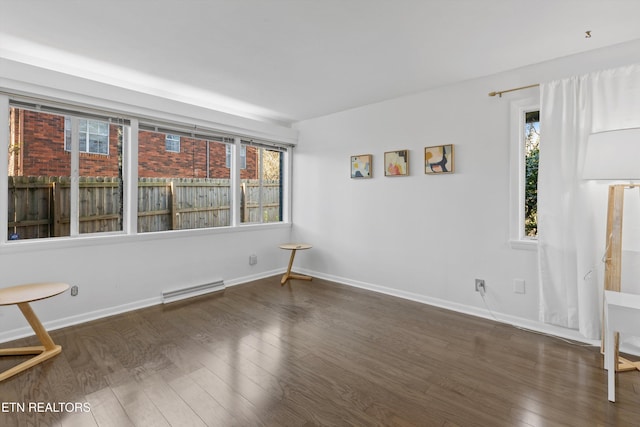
(614,156)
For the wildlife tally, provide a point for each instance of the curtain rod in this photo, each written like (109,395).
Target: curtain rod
(500,92)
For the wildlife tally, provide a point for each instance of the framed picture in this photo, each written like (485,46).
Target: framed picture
(361,166)
(396,163)
(439,159)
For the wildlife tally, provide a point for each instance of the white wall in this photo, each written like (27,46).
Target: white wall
(426,237)
(119,273)
(123,273)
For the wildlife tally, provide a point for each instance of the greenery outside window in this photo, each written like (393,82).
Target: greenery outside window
(531,158)
(524,157)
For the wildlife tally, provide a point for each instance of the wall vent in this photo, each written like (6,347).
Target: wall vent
(192,291)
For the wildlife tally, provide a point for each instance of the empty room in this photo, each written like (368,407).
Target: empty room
(319,213)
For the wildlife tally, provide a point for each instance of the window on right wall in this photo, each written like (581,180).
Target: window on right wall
(531,158)
(525,154)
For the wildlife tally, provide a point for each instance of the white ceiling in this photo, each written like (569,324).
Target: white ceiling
(289,60)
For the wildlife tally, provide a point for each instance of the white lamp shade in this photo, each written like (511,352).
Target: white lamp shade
(613,155)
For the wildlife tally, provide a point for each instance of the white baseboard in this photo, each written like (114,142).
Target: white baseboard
(519,322)
(52,325)
(64,322)
(252,277)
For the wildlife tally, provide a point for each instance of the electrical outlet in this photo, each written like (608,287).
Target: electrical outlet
(480,287)
(253,259)
(74,291)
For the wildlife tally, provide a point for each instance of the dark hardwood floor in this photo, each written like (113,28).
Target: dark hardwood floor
(311,354)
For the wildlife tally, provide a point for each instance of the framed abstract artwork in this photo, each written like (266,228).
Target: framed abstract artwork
(439,159)
(396,163)
(361,166)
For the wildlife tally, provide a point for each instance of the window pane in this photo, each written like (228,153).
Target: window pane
(271,185)
(97,132)
(98,144)
(185,190)
(94,131)
(261,182)
(39,176)
(101,180)
(172,143)
(243,157)
(83,143)
(532,152)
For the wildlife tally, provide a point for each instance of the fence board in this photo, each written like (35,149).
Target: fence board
(40,206)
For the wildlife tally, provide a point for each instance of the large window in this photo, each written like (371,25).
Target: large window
(69,174)
(43,146)
(261,183)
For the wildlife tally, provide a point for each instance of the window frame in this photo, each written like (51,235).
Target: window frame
(518,110)
(284,165)
(204,149)
(72,119)
(136,119)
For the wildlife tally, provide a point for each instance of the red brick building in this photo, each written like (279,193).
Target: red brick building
(38,149)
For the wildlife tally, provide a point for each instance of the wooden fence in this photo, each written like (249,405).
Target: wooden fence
(40,206)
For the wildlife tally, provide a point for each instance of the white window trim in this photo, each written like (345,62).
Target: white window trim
(4,160)
(282,137)
(517,238)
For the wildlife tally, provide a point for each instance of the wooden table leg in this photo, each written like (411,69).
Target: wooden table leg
(44,352)
(289,275)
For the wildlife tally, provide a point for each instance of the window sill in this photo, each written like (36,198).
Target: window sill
(526,245)
(99,239)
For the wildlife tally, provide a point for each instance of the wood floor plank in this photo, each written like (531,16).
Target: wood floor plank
(137,405)
(316,354)
(175,410)
(78,419)
(233,402)
(107,410)
(202,403)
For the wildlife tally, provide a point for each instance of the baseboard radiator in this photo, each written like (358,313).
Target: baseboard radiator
(192,291)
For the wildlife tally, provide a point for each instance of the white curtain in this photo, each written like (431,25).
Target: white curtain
(571,211)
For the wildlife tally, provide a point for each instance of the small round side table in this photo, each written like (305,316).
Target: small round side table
(21,296)
(293,247)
